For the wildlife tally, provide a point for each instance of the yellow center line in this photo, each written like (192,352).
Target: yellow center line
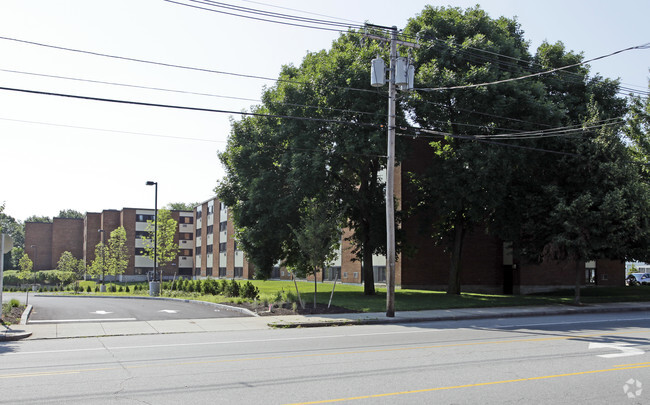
(39,374)
(481,384)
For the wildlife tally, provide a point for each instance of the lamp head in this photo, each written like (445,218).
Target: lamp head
(151,183)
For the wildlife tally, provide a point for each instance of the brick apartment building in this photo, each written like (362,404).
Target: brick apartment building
(488,263)
(45,242)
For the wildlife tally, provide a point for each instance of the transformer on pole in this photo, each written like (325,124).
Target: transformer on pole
(401,74)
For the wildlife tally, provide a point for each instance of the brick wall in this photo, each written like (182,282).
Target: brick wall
(39,235)
(67,235)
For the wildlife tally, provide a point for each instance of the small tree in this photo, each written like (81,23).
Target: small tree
(26,266)
(67,262)
(117,254)
(318,237)
(97,266)
(166,249)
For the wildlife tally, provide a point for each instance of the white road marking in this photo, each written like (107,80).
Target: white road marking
(101,312)
(168,311)
(81,320)
(520,325)
(623,347)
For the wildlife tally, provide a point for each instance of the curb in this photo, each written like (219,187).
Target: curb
(384,321)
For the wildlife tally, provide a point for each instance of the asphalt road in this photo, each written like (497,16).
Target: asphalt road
(59,309)
(595,359)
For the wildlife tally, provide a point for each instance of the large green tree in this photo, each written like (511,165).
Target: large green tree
(473,183)
(596,207)
(336,153)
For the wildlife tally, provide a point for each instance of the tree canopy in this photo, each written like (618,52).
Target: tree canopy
(509,159)
(69,213)
(275,163)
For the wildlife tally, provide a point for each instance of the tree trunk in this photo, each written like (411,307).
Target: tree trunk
(454,270)
(315,287)
(576,297)
(368,276)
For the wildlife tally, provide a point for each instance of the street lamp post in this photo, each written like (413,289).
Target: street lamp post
(34,269)
(154,288)
(102,287)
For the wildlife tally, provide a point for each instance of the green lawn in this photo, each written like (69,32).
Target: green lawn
(352,297)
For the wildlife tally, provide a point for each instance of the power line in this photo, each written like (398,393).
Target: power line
(51,124)
(438,134)
(260,12)
(197,69)
(468,86)
(186,108)
(303,11)
(181,91)
(182,138)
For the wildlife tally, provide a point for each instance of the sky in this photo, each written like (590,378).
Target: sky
(61,153)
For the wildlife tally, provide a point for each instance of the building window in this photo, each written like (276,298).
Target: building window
(222,206)
(143,218)
(239,272)
(197,271)
(209,249)
(355,275)
(222,247)
(185,236)
(187,220)
(345,274)
(138,271)
(139,251)
(590,276)
(379,273)
(210,209)
(141,234)
(210,229)
(186,252)
(222,272)
(223,226)
(197,250)
(208,271)
(198,233)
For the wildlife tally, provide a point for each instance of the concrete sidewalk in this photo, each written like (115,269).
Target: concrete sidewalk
(94,329)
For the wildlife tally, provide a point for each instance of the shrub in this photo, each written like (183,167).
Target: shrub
(279,296)
(121,289)
(89,289)
(223,286)
(96,288)
(232,289)
(126,289)
(13,303)
(248,290)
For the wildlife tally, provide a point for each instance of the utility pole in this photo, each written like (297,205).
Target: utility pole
(400,74)
(390,181)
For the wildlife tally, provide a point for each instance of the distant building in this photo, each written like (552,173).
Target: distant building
(45,242)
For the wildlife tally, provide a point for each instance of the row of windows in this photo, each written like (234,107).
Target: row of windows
(186,220)
(239,272)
